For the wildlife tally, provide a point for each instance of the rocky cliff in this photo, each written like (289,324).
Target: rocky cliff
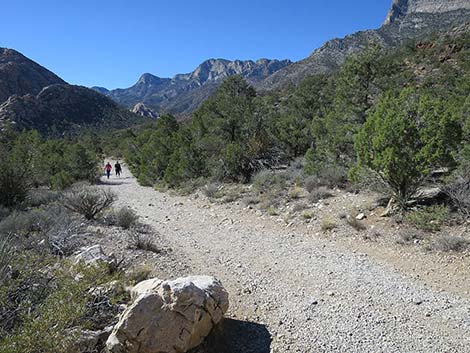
(402,8)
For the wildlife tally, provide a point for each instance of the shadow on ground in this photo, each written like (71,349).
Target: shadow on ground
(112,182)
(234,336)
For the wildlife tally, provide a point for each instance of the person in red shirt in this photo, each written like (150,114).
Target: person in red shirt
(108,169)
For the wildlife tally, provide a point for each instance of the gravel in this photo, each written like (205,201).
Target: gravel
(292,291)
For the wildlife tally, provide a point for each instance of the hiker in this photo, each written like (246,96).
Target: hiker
(108,169)
(117,169)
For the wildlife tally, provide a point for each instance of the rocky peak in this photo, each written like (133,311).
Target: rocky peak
(20,75)
(149,79)
(402,8)
(142,110)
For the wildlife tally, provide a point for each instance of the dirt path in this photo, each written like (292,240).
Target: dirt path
(291,292)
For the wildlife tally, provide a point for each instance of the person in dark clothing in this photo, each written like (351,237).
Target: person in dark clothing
(108,169)
(117,169)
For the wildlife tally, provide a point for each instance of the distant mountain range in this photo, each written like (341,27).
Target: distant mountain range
(33,97)
(406,20)
(184,92)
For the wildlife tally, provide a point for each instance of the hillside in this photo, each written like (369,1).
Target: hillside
(65,109)
(406,20)
(20,75)
(32,97)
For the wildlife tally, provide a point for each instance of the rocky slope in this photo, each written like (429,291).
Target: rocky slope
(20,75)
(142,110)
(65,109)
(407,19)
(34,97)
(184,92)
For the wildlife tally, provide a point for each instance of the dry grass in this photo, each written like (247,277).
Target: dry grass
(328,225)
(141,241)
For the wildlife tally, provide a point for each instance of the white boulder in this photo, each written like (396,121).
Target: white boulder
(169,316)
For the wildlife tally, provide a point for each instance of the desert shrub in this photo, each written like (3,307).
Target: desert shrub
(448,243)
(212,190)
(295,193)
(307,215)
(22,223)
(272,211)
(459,194)
(251,200)
(321,193)
(142,241)
(311,183)
(61,231)
(328,224)
(89,201)
(266,181)
(428,219)
(126,218)
(355,223)
(40,196)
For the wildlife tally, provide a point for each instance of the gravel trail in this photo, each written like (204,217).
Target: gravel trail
(294,292)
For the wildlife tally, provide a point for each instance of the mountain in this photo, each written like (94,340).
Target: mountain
(20,75)
(184,92)
(64,109)
(406,20)
(34,97)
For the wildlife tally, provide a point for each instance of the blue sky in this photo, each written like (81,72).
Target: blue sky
(111,43)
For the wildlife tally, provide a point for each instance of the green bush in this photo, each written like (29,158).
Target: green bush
(405,137)
(14,183)
(428,219)
(61,180)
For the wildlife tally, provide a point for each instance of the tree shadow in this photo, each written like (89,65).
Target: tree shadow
(234,336)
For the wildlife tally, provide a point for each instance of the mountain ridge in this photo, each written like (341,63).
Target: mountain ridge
(21,75)
(405,21)
(161,94)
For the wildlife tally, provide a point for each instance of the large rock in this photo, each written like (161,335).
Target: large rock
(169,316)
